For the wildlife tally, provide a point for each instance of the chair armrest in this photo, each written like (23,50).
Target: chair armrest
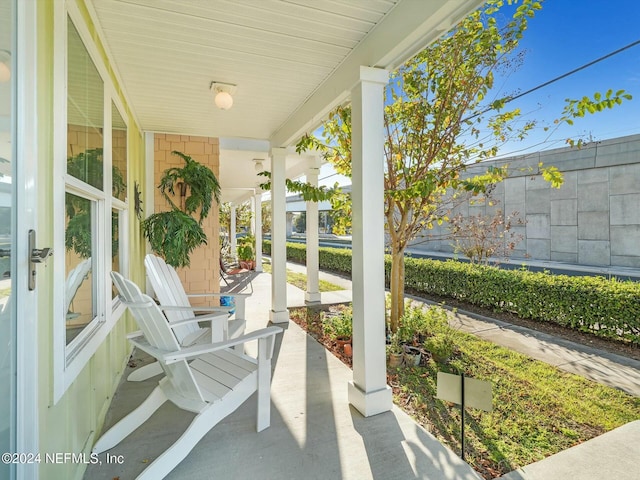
(219,324)
(141,343)
(221,294)
(186,321)
(240,301)
(172,308)
(191,352)
(202,318)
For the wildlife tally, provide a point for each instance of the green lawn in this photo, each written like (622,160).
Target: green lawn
(300,280)
(538,409)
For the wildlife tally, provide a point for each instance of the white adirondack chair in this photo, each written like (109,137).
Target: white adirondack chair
(176,305)
(170,292)
(213,385)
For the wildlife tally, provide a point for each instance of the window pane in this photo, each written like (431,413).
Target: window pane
(119,154)
(115,247)
(80,290)
(85,114)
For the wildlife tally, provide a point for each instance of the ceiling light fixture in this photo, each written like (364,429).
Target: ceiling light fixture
(258,164)
(223,94)
(5,65)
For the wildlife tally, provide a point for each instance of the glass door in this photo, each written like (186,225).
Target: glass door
(7,237)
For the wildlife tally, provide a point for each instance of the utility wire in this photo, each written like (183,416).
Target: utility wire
(542,85)
(575,70)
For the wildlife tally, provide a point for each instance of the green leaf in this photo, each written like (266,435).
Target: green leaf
(173,235)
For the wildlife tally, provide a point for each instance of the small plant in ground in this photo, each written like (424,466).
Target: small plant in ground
(411,330)
(418,322)
(427,327)
(338,325)
(441,345)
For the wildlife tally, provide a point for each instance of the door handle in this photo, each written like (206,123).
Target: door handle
(36,256)
(40,255)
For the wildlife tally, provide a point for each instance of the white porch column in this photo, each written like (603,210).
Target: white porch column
(313,291)
(232,231)
(279,312)
(289,229)
(257,215)
(368,392)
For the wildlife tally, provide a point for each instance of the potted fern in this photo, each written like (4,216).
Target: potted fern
(175,234)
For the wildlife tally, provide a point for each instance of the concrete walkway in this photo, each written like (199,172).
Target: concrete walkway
(613,455)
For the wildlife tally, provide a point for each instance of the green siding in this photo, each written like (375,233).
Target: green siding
(72,424)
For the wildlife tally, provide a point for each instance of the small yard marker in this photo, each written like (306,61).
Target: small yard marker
(466,392)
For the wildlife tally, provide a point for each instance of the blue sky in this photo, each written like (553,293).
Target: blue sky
(565,35)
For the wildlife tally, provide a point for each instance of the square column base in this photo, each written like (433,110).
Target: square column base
(372,403)
(312,297)
(279,317)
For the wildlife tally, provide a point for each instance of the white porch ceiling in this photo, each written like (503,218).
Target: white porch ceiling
(292,61)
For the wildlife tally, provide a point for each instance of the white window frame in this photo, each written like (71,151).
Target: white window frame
(117,308)
(69,360)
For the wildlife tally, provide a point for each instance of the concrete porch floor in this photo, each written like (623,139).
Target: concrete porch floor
(314,433)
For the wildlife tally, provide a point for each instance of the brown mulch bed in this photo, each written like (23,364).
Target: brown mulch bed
(312,324)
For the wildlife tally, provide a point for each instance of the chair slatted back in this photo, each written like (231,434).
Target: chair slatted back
(157,332)
(170,291)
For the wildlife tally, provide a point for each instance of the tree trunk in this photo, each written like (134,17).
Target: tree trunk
(397,288)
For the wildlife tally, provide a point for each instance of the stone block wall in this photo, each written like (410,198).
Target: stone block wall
(203,276)
(592,219)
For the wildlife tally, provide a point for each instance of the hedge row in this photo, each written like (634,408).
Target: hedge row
(608,308)
(332,259)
